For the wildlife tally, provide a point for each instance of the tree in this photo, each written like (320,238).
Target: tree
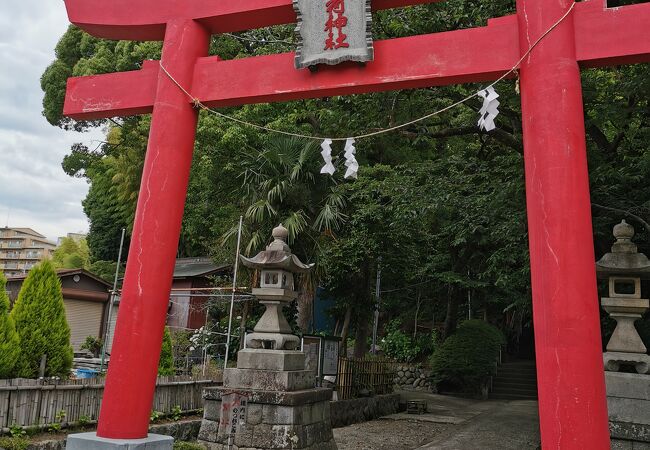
(9,339)
(40,320)
(71,254)
(166,362)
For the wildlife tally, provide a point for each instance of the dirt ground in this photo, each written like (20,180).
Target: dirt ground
(384,434)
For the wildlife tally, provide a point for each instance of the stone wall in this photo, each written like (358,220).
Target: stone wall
(628,403)
(347,412)
(412,378)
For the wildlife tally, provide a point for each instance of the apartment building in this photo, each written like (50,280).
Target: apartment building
(21,249)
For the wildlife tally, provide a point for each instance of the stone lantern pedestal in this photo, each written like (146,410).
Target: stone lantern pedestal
(270,400)
(628,394)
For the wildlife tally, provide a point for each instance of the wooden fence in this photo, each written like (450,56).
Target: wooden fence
(373,375)
(27,402)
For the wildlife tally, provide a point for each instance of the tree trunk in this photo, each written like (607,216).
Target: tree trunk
(343,350)
(451,319)
(418,302)
(361,337)
(305,305)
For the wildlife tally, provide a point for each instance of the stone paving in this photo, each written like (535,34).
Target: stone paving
(451,423)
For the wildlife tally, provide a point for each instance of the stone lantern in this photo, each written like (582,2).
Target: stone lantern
(277,265)
(624,268)
(270,400)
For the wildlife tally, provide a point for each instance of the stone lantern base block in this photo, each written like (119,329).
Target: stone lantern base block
(614,360)
(261,359)
(90,441)
(269,380)
(298,420)
(628,403)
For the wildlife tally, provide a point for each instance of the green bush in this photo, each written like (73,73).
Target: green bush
(166,362)
(13,443)
(40,320)
(403,347)
(468,357)
(9,339)
(188,446)
(93,344)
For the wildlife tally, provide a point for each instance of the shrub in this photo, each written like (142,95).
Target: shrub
(9,339)
(404,348)
(468,357)
(166,362)
(188,446)
(13,443)
(93,345)
(40,320)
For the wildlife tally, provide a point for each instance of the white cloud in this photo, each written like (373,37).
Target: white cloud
(34,190)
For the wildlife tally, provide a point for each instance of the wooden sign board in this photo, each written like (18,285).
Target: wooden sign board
(333,31)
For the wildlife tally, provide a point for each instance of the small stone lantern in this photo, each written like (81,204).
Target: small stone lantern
(277,265)
(624,268)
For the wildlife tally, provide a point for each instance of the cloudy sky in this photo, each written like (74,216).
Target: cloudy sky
(34,190)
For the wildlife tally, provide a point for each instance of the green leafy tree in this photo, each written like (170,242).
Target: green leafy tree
(71,254)
(166,362)
(9,339)
(40,320)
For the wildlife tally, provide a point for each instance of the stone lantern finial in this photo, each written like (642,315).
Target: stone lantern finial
(623,232)
(281,233)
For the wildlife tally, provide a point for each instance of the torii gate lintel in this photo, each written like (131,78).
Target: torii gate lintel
(572,405)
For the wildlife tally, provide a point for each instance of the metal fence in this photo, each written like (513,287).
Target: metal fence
(27,402)
(355,376)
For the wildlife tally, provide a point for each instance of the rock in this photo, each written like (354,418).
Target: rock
(400,373)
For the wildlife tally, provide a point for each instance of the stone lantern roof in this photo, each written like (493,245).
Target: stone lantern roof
(277,255)
(624,259)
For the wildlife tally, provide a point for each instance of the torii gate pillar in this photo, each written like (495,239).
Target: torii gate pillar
(154,243)
(566,315)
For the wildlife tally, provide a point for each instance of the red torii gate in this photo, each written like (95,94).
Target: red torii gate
(572,403)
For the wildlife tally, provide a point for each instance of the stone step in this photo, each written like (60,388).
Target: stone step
(515,379)
(517,391)
(501,371)
(512,397)
(503,384)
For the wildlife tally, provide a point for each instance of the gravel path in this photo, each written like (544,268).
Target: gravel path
(385,434)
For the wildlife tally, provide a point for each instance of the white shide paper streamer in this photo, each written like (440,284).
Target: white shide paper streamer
(350,161)
(328,168)
(490,110)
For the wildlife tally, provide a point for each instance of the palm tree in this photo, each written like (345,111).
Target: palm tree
(282,184)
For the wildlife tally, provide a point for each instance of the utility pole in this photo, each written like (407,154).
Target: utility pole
(107,332)
(373,349)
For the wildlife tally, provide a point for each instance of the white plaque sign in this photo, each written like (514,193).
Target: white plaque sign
(333,31)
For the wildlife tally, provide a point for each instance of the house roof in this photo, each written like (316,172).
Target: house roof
(28,231)
(197,267)
(66,273)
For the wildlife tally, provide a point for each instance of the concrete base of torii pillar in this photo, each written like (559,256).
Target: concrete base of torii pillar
(90,441)
(268,402)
